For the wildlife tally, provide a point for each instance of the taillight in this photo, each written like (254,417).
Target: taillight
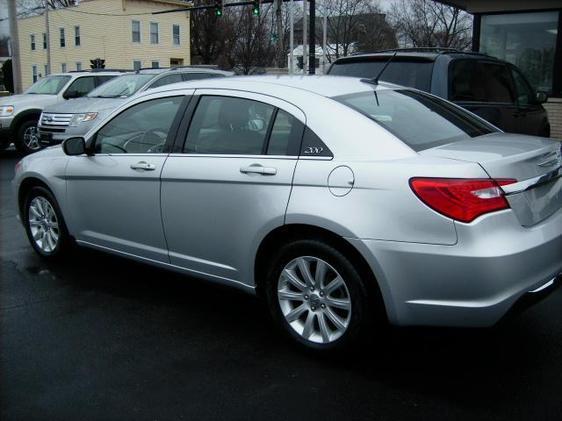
(462,199)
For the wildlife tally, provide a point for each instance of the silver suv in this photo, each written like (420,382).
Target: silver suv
(62,121)
(19,114)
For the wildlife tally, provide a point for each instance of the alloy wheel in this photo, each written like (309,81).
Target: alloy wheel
(314,299)
(31,138)
(43,224)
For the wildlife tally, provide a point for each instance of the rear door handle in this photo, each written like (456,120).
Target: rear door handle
(143,165)
(258,169)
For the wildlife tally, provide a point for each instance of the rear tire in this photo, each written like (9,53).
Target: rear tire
(27,138)
(44,224)
(325,310)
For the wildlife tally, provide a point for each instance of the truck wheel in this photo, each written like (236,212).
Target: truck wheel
(27,138)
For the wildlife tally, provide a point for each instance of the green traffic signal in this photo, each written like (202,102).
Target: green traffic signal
(218,12)
(256,11)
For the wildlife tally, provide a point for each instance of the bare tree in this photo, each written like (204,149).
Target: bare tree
(427,23)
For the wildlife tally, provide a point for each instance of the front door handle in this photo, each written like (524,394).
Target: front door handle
(258,169)
(143,165)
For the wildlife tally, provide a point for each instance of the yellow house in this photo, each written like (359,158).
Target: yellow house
(124,33)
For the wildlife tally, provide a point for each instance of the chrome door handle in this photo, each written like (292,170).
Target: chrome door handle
(258,169)
(143,165)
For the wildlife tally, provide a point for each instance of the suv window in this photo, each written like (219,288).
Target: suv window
(100,80)
(143,128)
(421,121)
(80,87)
(480,81)
(198,76)
(122,86)
(227,125)
(415,74)
(166,80)
(525,94)
(50,85)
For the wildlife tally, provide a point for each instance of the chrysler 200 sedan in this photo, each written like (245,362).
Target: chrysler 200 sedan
(338,200)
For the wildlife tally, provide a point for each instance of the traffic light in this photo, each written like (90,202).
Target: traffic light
(218,8)
(256,7)
(97,63)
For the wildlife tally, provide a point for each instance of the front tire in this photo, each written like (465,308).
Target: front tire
(44,224)
(27,138)
(317,296)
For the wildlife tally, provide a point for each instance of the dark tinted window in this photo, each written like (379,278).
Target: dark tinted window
(143,128)
(478,81)
(81,86)
(166,80)
(227,125)
(102,79)
(415,74)
(197,76)
(419,120)
(525,94)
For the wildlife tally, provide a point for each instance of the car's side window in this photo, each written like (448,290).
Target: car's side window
(143,128)
(495,83)
(286,135)
(198,76)
(525,94)
(166,80)
(80,87)
(228,125)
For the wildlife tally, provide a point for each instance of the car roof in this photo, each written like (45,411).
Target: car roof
(190,69)
(425,54)
(276,85)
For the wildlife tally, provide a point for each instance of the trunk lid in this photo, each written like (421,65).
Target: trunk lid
(534,162)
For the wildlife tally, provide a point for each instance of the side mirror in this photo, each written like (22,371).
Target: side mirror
(74,146)
(541,97)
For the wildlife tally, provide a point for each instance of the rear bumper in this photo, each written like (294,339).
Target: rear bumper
(474,283)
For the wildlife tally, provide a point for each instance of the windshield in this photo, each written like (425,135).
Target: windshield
(414,74)
(50,85)
(418,119)
(121,87)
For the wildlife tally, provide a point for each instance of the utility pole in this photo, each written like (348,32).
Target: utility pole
(14,40)
(48,35)
(312,46)
(280,38)
(324,40)
(304,38)
(291,38)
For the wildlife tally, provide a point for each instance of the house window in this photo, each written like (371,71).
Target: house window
(78,66)
(176,34)
(44,40)
(137,64)
(34,73)
(46,68)
(32,42)
(77,36)
(153,32)
(62,37)
(63,67)
(136,31)
(155,64)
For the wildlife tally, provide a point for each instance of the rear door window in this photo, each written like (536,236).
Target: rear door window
(414,74)
(481,81)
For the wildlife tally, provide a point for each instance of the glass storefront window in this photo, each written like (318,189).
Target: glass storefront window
(527,40)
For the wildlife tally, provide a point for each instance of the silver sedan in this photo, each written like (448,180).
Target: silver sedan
(340,201)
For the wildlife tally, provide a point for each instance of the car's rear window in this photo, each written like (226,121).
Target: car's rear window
(420,120)
(414,74)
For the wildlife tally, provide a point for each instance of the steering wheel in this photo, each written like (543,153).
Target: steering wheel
(149,136)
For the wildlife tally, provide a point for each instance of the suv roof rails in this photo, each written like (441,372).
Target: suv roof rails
(98,70)
(437,50)
(197,66)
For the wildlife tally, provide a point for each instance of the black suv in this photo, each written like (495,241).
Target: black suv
(493,89)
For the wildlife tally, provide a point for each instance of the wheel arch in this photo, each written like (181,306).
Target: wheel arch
(25,187)
(290,232)
(30,114)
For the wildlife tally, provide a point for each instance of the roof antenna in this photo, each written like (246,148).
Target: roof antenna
(375,80)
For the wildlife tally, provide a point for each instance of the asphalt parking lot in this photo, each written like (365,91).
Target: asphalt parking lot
(101,338)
